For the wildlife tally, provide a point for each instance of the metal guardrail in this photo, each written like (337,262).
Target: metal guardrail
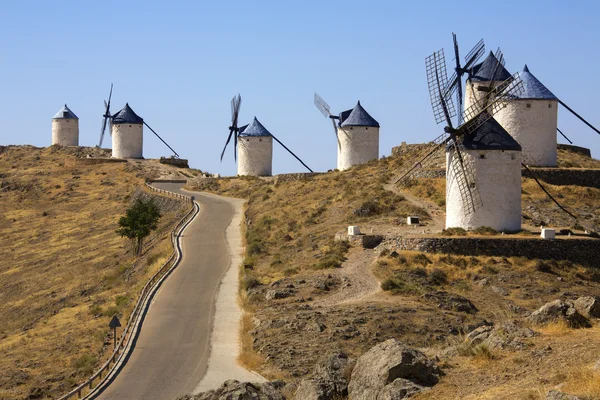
(133,324)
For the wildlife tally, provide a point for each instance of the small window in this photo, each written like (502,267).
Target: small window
(528,105)
(549,105)
(260,140)
(512,157)
(482,156)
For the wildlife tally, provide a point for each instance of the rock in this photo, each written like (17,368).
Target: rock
(385,363)
(556,310)
(499,290)
(508,335)
(279,294)
(235,390)
(558,395)
(328,381)
(588,306)
(400,389)
(450,301)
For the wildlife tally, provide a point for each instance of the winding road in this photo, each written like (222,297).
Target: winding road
(171,354)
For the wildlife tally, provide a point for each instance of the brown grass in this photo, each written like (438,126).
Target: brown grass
(65,271)
(583,382)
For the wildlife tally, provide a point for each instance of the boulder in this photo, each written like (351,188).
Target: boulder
(588,306)
(328,381)
(556,310)
(558,395)
(235,390)
(509,335)
(386,362)
(400,389)
(279,294)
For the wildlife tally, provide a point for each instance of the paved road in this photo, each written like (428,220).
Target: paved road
(171,355)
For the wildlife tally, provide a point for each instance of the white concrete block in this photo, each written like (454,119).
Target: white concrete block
(353,230)
(548,233)
(412,220)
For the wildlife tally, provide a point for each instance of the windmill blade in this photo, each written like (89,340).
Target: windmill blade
(109,97)
(292,153)
(578,116)
(565,136)
(458,82)
(437,82)
(481,111)
(102,130)
(474,55)
(161,139)
(322,105)
(463,173)
(226,143)
(236,102)
(235,144)
(420,159)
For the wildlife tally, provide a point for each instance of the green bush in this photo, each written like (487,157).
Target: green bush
(85,364)
(454,232)
(485,230)
(250,282)
(421,259)
(438,277)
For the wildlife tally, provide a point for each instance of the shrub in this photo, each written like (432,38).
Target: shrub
(367,209)
(485,230)
(137,223)
(543,266)
(454,232)
(421,259)
(397,286)
(85,364)
(438,277)
(469,349)
(419,271)
(250,282)
(290,271)
(254,248)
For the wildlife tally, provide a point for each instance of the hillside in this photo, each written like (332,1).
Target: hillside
(64,271)
(306,294)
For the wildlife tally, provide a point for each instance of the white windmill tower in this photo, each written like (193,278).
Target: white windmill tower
(532,121)
(357,134)
(483,162)
(127,134)
(254,144)
(255,149)
(65,128)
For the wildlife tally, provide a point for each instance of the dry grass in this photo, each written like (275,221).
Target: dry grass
(568,159)
(65,271)
(559,327)
(583,382)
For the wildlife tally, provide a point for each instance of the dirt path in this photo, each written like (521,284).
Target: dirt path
(358,283)
(437,214)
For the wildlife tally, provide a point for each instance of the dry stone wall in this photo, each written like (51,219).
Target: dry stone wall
(583,251)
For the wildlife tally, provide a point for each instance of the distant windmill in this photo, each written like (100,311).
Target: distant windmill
(483,173)
(254,143)
(357,134)
(65,128)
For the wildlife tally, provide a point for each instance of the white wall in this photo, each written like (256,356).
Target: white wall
(498,180)
(357,145)
(65,131)
(534,127)
(127,140)
(255,155)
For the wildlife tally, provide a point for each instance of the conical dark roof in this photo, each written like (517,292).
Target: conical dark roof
(65,112)
(242,128)
(533,88)
(127,116)
(484,72)
(359,117)
(490,136)
(255,128)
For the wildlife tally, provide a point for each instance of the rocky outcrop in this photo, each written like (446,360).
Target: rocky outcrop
(329,380)
(508,335)
(387,362)
(558,310)
(588,306)
(558,395)
(450,301)
(235,390)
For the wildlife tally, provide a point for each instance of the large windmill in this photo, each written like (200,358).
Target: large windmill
(469,143)
(254,144)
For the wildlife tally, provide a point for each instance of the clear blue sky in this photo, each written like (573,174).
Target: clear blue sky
(179,63)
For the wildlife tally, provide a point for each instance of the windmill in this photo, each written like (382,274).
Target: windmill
(256,158)
(106,118)
(460,167)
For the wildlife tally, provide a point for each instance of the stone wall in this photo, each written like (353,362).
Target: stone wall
(583,251)
(177,162)
(300,176)
(575,149)
(578,177)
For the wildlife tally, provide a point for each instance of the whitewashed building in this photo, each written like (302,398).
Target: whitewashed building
(127,134)
(255,150)
(496,160)
(358,138)
(482,76)
(532,121)
(65,128)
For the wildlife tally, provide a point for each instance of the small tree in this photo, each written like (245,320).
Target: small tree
(137,223)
